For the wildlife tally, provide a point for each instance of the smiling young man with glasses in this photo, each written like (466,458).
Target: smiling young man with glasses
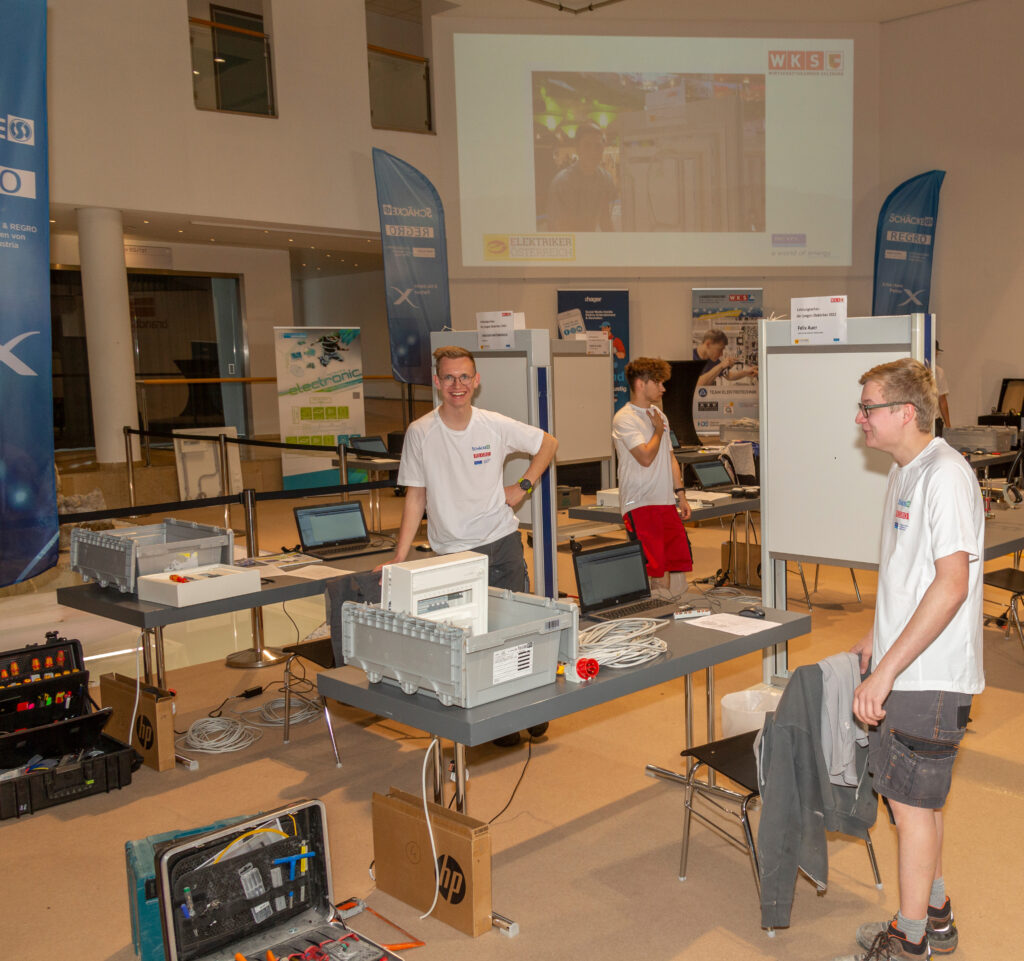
(452,466)
(924,649)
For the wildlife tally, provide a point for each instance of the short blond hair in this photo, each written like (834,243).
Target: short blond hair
(452,352)
(647,368)
(908,381)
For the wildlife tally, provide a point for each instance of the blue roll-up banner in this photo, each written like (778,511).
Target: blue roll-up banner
(415,264)
(606,310)
(904,246)
(28,498)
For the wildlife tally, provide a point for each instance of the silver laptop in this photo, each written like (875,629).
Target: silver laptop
(333,531)
(612,584)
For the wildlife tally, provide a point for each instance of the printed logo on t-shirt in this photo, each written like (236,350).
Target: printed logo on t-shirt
(481,453)
(902,521)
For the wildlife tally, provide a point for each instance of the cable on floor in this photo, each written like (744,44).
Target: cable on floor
(218,735)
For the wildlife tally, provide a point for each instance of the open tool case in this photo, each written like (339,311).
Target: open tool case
(52,748)
(261,885)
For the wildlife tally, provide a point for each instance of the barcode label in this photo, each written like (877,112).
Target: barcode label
(512,662)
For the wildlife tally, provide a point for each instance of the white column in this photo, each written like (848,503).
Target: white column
(108,330)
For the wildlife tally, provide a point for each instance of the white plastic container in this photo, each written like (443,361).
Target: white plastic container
(745,710)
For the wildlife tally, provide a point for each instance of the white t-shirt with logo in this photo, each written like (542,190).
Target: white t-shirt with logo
(462,471)
(641,486)
(932,509)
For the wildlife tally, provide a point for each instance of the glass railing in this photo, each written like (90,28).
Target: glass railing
(399,91)
(231,69)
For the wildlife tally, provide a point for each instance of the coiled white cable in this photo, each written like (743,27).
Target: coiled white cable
(219,735)
(624,643)
(271,714)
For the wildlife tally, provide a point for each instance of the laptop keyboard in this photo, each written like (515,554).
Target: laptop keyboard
(632,610)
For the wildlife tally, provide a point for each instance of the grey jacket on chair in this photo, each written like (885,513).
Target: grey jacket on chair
(799,802)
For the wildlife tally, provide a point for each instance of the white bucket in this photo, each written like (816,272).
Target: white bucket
(745,710)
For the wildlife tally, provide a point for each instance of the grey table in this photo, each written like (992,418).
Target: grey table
(690,649)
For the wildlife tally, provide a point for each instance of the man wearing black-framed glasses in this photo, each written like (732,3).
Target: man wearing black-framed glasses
(924,650)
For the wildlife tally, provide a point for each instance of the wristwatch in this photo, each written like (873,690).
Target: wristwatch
(526,485)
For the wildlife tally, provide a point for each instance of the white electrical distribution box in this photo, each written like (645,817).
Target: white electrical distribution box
(450,589)
(609,497)
(198,585)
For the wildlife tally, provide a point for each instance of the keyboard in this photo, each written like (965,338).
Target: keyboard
(632,610)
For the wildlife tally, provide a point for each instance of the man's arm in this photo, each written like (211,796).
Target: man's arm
(645,453)
(712,375)
(935,610)
(735,374)
(677,486)
(514,494)
(412,514)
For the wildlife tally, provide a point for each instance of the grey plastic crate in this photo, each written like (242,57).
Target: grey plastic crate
(118,557)
(528,637)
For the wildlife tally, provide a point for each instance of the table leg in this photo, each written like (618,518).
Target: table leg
(257,655)
(653,770)
(709,674)
(147,657)
(438,772)
(158,652)
(460,778)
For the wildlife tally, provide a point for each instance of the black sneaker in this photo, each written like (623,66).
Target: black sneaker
(942,933)
(888,944)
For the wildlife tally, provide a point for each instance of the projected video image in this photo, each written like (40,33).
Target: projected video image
(649,152)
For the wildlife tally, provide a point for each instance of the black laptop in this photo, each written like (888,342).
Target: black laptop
(333,531)
(713,475)
(612,584)
(371,446)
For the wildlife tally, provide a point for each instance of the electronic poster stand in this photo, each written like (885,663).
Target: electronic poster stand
(821,487)
(517,382)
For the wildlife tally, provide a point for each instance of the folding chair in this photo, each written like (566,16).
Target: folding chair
(319,652)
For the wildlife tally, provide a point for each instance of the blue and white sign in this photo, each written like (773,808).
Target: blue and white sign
(606,311)
(28,500)
(415,254)
(905,246)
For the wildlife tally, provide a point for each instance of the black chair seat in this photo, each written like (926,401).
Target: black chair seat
(1008,579)
(732,757)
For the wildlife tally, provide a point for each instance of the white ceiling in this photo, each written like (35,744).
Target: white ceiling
(318,252)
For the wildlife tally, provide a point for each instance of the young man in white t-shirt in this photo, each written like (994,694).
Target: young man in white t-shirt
(651,495)
(925,648)
(452,464)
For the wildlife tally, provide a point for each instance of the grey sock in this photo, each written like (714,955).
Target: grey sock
(938,896)
(914,930)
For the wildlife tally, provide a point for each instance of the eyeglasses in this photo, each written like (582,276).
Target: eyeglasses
(866,409)
(450,380)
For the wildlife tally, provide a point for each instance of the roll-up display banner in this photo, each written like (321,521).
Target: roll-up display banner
(28,501)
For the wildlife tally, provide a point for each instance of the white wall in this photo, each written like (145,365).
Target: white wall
(953,94)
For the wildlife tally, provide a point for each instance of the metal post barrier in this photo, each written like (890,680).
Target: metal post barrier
(144,416)
(128,463)
(343,470)
(225,478)
(258,655)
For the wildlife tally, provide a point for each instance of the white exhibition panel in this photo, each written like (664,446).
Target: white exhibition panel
(822,488)
(582,406)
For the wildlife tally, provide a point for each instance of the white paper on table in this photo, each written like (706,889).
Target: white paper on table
(315,572)
(733,623)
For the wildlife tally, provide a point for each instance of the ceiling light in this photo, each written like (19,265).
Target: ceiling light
(180,230)
(219,60)
(145,221)
(195,72)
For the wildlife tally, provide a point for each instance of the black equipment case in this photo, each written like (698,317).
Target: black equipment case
(52,746)
(257,889)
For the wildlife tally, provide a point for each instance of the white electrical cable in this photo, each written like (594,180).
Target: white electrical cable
(430,829)
(271,714)
(219,735)
(138,687)
(624,643)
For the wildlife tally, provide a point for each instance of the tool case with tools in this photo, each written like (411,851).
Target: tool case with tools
(52,745)
(258,889)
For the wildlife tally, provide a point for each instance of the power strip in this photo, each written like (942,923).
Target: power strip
(695,612)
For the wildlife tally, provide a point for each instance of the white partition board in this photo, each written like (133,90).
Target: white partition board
(822,488)
(582,406)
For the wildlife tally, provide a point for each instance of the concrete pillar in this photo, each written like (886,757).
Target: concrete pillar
(108,330)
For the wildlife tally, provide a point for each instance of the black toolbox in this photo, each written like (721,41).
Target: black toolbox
(52,746)
(258,889)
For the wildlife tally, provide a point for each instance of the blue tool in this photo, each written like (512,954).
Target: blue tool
(294,859)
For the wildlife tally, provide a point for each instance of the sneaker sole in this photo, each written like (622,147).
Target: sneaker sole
(942,946)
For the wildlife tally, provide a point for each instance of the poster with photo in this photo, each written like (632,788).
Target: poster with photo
(319,398)
(725,338)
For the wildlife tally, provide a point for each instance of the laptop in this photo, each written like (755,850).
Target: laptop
(372,445)
(331,531)
(713,475)
(612,584)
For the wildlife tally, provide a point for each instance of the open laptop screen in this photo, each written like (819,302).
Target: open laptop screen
(369,445)
(712,474)
(611,575)
(331,525)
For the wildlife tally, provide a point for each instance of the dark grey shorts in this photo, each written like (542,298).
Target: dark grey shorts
(911,753)
(506,562)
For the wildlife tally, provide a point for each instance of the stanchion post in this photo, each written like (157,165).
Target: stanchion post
(225,478)
(144,416)
(129,465)
(343,469)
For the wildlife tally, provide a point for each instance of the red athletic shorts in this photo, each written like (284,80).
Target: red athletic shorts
(660,530)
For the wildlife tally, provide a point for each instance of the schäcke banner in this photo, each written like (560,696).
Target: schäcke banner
(415,264)
(905,245)
(28,505)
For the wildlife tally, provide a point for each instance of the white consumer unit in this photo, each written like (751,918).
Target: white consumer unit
(451,589)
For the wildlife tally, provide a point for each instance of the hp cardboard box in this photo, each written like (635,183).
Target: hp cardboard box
(153,734)
(404,869)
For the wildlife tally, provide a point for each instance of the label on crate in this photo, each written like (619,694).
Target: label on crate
(513,662)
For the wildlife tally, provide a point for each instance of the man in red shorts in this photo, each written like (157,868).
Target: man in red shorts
(650,484)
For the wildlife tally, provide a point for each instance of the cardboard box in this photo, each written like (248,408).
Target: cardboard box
(210,582)
(401,850)
(734,559)
(153,736)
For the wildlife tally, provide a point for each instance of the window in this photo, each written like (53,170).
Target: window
(231,62)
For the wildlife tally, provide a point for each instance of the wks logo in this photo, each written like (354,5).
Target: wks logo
(17,183)
(18,130)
